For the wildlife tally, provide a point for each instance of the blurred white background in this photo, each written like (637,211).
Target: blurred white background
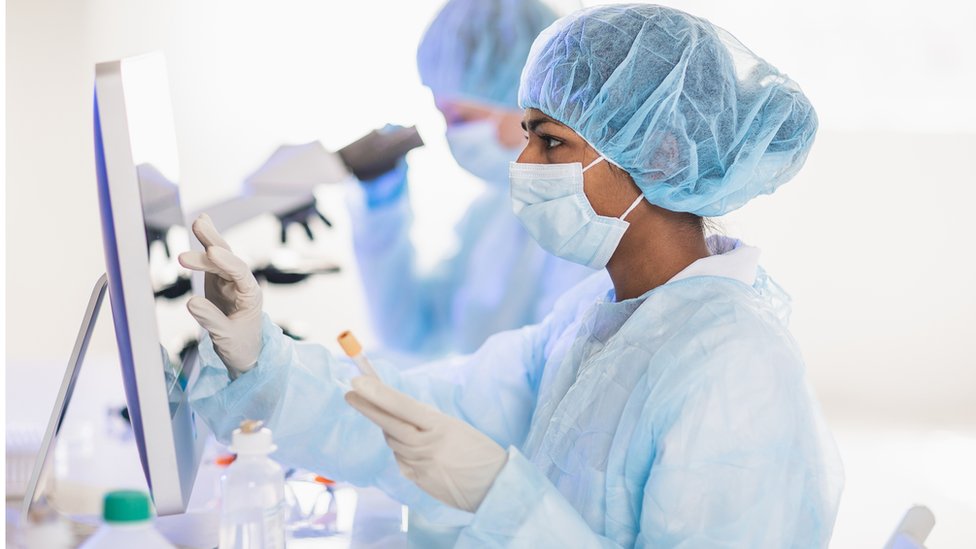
(871,239)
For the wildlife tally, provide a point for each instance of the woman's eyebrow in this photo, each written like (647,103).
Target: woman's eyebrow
(534,124)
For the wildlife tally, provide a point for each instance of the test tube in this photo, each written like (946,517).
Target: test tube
(354,350)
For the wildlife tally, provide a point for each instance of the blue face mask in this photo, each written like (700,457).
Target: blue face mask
(549,201)
(476,148)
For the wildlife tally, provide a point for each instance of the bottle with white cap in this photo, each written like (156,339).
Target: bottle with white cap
(128,523)
(252,490)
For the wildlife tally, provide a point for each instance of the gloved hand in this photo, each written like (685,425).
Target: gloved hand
(448,458)
(231,311)
(386,188)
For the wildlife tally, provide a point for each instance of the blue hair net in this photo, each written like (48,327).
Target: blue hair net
(476,49)
(699,122)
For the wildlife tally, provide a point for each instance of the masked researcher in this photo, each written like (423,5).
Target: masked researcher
(665,405)
(499,279)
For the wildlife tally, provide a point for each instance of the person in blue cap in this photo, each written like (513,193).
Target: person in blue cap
(663,401)
(470,57)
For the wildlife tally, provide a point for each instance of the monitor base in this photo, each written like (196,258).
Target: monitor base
(35,488)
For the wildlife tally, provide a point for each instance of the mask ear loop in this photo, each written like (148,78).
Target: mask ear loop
(632,206)
(640,197)
(594,163)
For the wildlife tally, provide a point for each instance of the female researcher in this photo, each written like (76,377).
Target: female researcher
(499,278)
(663,407)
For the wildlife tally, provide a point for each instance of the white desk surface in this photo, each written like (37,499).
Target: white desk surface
(89,461)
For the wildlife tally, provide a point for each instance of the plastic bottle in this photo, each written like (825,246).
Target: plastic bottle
(127,517)
(252,513)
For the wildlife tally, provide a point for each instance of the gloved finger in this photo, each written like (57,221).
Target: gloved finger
(235,268)
(207,315)
(436,481)
(401,430)
(402,450)
(396,403)
(220,290)
(199,261)
(423,472)
(421,440)
(407,471)
(206,233)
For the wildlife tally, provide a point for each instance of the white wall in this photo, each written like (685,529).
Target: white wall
(872,239)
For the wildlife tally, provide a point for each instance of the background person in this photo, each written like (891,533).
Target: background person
(470,57)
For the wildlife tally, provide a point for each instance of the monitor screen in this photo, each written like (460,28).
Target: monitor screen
(153,141)
(144,231)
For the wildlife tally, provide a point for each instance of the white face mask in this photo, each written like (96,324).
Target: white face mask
(549,201)
(476,148)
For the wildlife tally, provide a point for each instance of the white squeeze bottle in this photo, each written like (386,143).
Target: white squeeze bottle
(252,513)
(128,523)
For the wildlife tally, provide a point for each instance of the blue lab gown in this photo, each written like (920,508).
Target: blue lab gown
(678,418)
(499,278)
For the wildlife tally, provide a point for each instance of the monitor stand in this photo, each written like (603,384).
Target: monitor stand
(35,488)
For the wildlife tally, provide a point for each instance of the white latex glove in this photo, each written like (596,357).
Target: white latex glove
(448,458)
(231,311)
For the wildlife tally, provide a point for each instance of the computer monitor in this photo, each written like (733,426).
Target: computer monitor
(144,230)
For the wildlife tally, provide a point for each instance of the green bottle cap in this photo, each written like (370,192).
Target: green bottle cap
(126,506)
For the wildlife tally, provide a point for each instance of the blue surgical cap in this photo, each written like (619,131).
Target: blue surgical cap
(699,122)
(475,49)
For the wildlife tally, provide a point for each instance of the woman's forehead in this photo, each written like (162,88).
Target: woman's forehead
(534,118)
(536,114)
